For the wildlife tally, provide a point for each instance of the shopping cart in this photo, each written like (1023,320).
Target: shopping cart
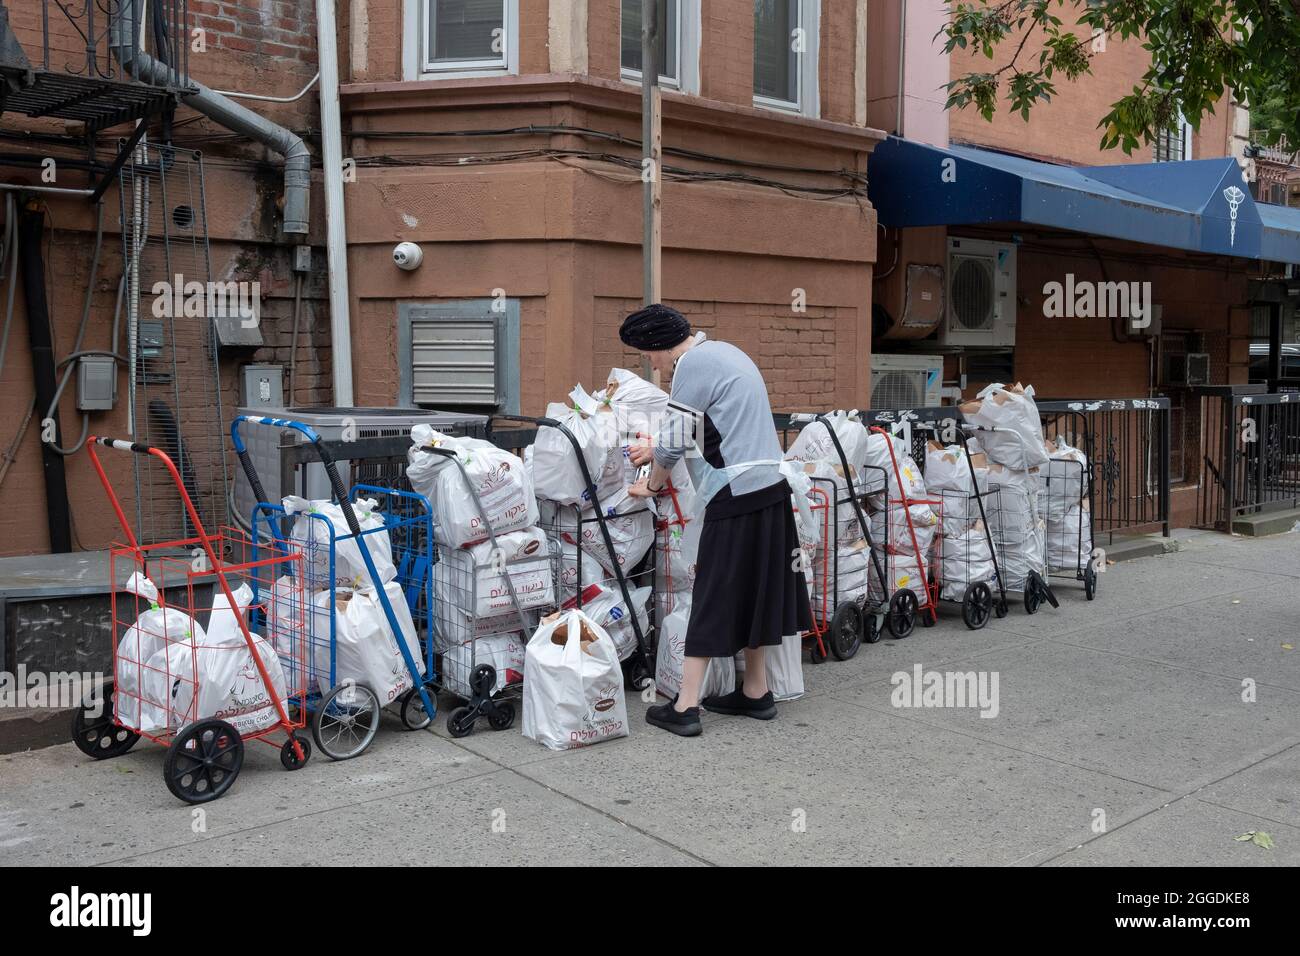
(345,713)
(859,618)
(478,643)
(1066,501)
(581,535)
(906,603)
(965,555)
(1019,532)
(200,690)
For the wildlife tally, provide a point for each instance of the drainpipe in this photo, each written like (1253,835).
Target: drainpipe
(336,237)
(297,158)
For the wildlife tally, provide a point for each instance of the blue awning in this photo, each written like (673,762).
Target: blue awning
(1200,205)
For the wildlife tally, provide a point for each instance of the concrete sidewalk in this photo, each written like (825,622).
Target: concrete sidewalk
(1130,706)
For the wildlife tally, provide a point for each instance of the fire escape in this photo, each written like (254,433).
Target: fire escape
(76,77)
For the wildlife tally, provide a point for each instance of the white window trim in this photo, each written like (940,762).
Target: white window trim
(414,66)
(689,27)
(809,102)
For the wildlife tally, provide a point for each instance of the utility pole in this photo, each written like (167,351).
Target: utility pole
(651,171)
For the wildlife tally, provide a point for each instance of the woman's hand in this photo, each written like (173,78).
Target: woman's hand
(642,489)
(640,454)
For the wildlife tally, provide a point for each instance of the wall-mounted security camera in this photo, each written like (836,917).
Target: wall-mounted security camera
(407,255)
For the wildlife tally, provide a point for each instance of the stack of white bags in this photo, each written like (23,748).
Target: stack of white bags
(1016,454)
(903,524)
(1064,499)
(964,554)
(494,560)
(170,671)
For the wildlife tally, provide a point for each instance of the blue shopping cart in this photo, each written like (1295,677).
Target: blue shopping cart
(398,525)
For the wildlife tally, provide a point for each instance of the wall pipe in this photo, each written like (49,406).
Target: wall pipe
(297,158)
(336,236)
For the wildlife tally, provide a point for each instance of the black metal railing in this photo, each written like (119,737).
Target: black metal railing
(1251,454)
(78,37)
(1127,444)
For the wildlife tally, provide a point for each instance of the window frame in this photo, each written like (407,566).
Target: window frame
(1184,137)
(416,64)
(689,14)
(807,77)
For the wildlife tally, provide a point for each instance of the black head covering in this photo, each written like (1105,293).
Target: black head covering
(655,328)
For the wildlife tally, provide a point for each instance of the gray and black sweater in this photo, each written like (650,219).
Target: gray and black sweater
(723,389)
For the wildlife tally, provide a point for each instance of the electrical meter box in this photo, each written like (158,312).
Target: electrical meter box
(96,383)
(263,386)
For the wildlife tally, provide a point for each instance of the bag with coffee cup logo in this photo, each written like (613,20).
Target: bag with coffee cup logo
(573,691)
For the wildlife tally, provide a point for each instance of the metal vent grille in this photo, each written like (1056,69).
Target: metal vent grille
(973,292)
(897,389)
(454,361)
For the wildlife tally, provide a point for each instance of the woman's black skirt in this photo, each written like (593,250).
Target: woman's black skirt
(747,593)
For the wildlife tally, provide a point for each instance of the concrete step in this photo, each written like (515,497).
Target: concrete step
(1129,547)
(1268,522)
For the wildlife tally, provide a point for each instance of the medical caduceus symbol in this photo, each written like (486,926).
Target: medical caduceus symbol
(1234,195)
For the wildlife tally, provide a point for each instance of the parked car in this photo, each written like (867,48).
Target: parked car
(1290,362)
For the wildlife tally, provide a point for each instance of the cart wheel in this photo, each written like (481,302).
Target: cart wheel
(929,616)
(289,759)
(1000,609)
(414,714)
(203,761)
(1032,598)
(460,722)
(816,652)
(1090,580)
(902,613)
(977,605)
(846,631)
(503,716)
(871,629)
(93,728)
(483,681)
(346,721)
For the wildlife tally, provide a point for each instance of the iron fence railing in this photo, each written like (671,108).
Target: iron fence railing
(77,38)
(1251,460)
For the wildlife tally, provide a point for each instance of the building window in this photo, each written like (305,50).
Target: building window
(678,47)
(668,46)
(1174,145)
(459,38)
(786,36)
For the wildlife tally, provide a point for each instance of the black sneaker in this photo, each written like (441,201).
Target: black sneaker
(684,723)
(736,704)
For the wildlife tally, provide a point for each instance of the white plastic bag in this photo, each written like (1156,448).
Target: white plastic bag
(474,579)
(964,560)
(556,471)
(230,686)
(366,649)
(638,405)
(604,604)
(313,535)
(784,666)
(719,677)
(573,691)
(1064,479)
(1017,441)
(814,442)
(1069,540)
(153,632)
(499,478)
(631,525)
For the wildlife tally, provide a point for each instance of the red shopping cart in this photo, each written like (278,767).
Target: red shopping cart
(189,670)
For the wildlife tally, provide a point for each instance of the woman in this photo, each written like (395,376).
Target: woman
(747,594)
